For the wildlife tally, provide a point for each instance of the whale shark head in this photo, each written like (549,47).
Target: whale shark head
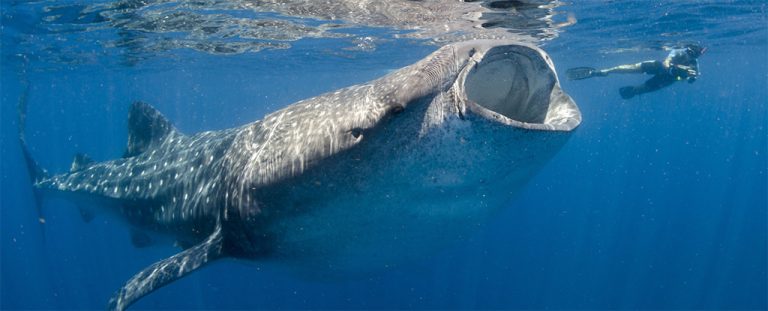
(379,172)
(510,83)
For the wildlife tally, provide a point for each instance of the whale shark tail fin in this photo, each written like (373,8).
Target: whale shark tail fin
(146,127)
(36,173)
(168,270)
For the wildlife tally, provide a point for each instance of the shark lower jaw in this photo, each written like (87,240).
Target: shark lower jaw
(516,85)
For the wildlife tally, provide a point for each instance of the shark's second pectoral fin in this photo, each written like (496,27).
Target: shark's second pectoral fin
(86,214)
(140,239)
(168,270)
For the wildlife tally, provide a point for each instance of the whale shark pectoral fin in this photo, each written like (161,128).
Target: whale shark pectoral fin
(146,125)
(168,270)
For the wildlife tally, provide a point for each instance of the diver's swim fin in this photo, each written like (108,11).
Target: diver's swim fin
(580,73)
(627,92)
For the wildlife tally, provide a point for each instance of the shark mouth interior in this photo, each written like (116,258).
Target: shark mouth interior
(515,84)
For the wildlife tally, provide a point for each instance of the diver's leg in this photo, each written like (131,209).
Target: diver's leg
(653,84)
(656,83)
(650,67)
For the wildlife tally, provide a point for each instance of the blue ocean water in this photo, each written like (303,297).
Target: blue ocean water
(659,202)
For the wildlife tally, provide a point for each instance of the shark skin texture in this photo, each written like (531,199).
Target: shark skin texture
(367,176)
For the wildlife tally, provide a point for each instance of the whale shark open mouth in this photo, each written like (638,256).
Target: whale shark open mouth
(517,85)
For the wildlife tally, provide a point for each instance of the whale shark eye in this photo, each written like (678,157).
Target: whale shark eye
(397,109)
(357,133)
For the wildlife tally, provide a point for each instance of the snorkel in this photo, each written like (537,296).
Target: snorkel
(695,50)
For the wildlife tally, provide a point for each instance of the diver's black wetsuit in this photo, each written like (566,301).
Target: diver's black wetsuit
(680,64)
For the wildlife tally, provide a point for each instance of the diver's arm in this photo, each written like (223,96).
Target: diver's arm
(682,66)
(693,72)
(689,72)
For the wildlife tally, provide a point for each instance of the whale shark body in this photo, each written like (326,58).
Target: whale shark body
(366,176)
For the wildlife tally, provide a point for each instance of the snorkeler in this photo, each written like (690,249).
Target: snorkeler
(679,65)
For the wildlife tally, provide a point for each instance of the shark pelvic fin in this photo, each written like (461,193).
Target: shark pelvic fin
(168,270)
(146,126)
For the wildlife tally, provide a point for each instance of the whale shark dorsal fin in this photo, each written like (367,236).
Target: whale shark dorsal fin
(80,162)
(146,125)
(168,270)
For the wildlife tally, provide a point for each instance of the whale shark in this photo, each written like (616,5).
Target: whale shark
(363,177)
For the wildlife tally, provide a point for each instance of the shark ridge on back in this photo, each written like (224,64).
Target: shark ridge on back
(419,155)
